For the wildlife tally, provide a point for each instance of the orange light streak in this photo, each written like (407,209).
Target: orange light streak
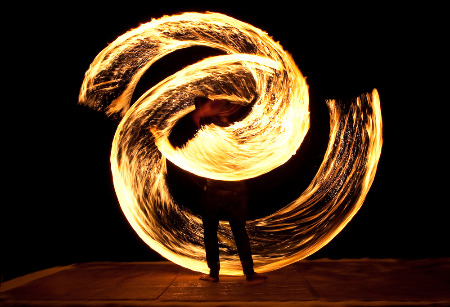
(254,70)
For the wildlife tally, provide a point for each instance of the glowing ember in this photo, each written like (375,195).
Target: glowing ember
(254,70)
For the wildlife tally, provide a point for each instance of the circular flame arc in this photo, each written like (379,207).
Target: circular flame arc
(254,71)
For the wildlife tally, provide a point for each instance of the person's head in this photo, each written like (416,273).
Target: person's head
(199,101)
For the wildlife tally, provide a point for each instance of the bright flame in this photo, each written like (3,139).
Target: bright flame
(255,70)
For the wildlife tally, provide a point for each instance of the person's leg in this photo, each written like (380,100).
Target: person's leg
(243,245)
(210,226)
(237,224)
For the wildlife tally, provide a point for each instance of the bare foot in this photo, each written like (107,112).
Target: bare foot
(207,277)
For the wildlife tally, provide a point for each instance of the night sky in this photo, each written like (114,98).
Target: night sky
(59,203)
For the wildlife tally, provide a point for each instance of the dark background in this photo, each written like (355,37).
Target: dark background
(59,206)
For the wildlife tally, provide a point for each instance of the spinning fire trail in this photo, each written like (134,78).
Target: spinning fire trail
(255,71)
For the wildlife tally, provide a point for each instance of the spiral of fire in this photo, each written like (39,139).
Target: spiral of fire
(253,70)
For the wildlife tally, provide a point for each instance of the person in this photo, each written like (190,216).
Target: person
(223,200)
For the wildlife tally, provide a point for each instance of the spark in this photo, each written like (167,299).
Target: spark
(256,71)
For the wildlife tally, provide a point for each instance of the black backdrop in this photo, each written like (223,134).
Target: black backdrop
(59,205)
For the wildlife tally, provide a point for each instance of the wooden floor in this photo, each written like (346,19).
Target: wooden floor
(361,282)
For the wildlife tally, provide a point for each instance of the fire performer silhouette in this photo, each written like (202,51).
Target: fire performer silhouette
(223,200)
